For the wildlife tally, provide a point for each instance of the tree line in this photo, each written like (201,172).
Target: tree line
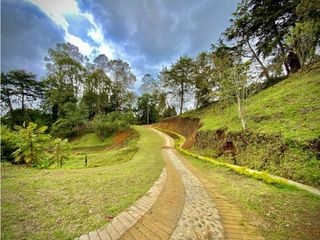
(266,39)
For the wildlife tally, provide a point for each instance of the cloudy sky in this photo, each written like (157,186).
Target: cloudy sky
(148,34)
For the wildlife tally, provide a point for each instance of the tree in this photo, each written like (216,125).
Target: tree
(97,90)
(266,23)
(179,79)
(231,75)
(7,92)
(147,109)
(19,87)
(30,142)
(203,81)
(65,74)
(303,39)
(122,79)
(149,84)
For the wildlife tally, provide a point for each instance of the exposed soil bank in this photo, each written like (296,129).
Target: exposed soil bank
(288,159)
(187,127)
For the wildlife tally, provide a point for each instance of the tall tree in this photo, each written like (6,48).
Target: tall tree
(65,74)
(265,23)
(20,88)
(97,89)
(147,109)
(203,81)
(231,75)
(179,79)
(122,80)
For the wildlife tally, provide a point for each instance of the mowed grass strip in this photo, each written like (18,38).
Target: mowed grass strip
(65,203)
(278,213)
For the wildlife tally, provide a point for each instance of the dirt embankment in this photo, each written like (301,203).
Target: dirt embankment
(292,160)
(187,127)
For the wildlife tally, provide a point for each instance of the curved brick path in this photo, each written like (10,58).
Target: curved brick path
(178,206)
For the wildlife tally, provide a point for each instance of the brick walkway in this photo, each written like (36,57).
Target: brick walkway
(178,206)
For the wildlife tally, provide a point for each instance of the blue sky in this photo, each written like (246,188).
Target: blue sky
(148,34)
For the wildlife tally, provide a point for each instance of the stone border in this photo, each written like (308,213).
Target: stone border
(126,219)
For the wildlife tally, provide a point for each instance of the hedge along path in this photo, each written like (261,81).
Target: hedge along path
(263,176)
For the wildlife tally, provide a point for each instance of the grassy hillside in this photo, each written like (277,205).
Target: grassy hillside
(90,140)
(290,108)
(283,130)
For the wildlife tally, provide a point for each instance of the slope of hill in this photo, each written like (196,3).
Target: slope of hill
(283,135)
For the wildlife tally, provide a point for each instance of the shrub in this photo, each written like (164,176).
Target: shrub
(30,142)
(105,125)
(7,146)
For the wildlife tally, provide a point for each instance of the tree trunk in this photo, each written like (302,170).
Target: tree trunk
(181,98)
(264,69)
(240,112)
(22,102)
(284,57)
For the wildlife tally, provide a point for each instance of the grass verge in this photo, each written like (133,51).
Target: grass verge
(278,213)
(65,203)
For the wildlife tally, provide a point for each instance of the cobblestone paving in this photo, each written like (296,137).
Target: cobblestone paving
(176,207)
(200,218)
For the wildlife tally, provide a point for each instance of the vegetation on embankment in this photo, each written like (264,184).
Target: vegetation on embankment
(278,213)
(65,203)
(283,130)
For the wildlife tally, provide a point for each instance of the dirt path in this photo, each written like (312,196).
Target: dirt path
(186,208)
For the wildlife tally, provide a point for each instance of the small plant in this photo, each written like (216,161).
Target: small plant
(30,142)
(59,146)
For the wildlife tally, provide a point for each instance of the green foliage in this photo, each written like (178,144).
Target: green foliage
(303,38)
(72,124)
(105,125)
(289,108)
(179,79)
(58,153)
(204,83)
(7,144)
(75,194)
(263,176)
(147,109)
(231,77)
(30,142)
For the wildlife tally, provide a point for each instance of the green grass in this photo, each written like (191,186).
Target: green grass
(90,140)
(98,156)
(65,203)
(283,124)
(290,108)
(278,213)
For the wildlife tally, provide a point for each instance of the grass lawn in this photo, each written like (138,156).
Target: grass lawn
(278,213)
(65,203)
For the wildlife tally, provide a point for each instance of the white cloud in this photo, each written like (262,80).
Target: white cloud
(57,9)
(84,47)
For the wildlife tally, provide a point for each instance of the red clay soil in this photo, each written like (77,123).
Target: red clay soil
(119,138)
(187,127)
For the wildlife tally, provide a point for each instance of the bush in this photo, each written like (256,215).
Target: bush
(105,125)
(30,142)
(7,146)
